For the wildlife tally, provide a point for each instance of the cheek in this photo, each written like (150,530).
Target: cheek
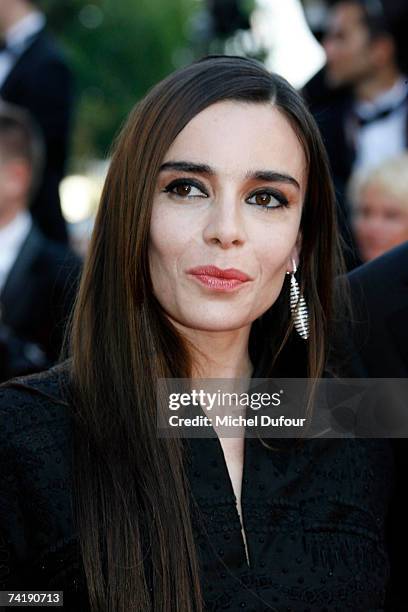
(274,241)
(361,226)
(273,251)
(169,239)
(160,250)
(162,231)
(398,228)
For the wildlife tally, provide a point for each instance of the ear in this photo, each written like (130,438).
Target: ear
(384,50)
(295,253)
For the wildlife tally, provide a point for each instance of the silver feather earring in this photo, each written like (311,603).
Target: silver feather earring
(298,306)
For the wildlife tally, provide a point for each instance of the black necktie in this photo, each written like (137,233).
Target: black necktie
(381,114)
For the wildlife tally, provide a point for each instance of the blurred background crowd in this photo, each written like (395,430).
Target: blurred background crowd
(70,71)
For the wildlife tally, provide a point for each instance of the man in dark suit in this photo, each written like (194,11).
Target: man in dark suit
(380,298)
(33,75)
(38,277)
(360,99)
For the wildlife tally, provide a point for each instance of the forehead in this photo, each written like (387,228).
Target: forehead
(346,15)
(376,192)
(234,137)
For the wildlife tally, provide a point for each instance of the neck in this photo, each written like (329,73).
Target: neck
(373,86)
(220,354)
(17,11)
(8,215)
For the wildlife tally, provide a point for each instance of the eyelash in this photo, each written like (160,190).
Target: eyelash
(283,202)
(189,182)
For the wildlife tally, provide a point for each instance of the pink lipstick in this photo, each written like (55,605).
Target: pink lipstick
(219,280)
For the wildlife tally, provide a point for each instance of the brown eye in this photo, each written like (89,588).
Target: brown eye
(182,189)
(268,200)
(262,199)
(186,189)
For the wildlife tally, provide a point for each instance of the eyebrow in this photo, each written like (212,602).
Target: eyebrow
(273,177)
(185,166)
(261,175)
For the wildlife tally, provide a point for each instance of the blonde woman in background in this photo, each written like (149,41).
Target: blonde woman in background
(379,199)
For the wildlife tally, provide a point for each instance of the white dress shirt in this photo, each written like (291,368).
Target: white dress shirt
(385,137)
(16,39)
(12,237)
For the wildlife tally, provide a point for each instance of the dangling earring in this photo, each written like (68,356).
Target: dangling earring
(298,306)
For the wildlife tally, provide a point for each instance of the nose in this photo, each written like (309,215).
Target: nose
(225,224)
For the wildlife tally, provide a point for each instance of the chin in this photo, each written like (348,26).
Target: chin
(334,80)
(371,254)
(214,324)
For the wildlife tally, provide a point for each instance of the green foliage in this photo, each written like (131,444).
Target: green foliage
(117,50)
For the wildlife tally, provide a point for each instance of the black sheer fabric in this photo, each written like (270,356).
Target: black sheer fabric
(314,514)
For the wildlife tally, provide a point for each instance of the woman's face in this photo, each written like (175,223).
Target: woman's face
(229,195)
(380,221)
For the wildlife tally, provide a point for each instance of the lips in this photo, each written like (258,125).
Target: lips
(213,271)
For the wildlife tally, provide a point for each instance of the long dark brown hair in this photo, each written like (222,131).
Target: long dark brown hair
(131,497)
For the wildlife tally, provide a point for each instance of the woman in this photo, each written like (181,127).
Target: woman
(220,165)
(380,207)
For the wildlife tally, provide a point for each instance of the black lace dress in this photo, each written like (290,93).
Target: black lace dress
(314,516)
